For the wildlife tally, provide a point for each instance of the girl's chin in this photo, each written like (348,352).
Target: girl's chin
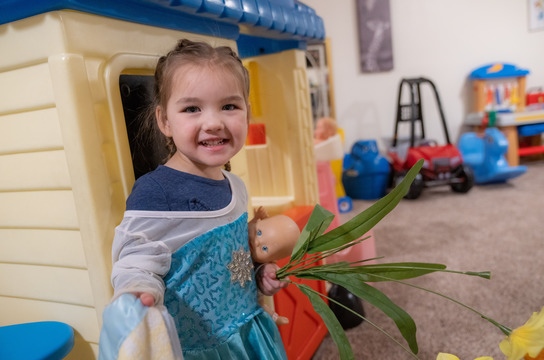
(211,165)
(217,158)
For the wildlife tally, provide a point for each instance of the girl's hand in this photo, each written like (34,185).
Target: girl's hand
(266,279)
(145,298)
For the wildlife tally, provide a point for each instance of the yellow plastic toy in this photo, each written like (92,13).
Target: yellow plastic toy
(65,162)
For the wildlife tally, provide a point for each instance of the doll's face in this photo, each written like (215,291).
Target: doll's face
(324,129)
(273,238)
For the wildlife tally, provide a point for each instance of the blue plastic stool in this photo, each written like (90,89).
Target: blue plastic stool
(45,340)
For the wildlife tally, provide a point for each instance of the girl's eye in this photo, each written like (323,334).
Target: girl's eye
(265,248)
(259,232)
(191,109)
(229,107)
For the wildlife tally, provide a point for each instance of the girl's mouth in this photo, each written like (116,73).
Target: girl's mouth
(211,143)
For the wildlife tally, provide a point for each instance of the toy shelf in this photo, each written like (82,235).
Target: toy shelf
(508,119)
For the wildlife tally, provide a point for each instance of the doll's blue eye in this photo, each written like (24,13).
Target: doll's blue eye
(259,232)
(265,248)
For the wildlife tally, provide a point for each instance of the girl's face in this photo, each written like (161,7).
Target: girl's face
(207,117)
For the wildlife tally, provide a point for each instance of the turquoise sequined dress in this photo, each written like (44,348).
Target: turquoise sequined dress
(216,317)
(206,276)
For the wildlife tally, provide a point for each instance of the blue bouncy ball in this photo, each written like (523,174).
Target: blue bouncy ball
(366,172)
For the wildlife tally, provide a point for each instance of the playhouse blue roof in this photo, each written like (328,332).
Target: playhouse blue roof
(282,20)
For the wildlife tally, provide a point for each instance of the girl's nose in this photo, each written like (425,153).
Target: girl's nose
(212,122)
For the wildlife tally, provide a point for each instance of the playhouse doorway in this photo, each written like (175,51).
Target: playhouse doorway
(136,96)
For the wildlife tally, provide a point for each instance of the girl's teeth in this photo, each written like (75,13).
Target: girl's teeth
(212,143)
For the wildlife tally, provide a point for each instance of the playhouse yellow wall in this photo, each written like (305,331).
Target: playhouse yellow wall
(282,173)
(65,165)
(65,162)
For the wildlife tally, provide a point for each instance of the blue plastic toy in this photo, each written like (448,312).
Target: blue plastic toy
(45,340)
(485,155)
(366,172)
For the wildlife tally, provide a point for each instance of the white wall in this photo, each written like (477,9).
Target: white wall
(443,40)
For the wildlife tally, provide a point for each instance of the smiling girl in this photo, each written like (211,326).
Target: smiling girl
(183,240)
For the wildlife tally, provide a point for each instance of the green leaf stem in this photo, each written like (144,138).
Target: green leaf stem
(372,273)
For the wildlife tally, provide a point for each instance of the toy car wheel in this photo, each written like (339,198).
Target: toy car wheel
(466,175)
(415,188)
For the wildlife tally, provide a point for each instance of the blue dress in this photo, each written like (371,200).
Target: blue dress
(202,268)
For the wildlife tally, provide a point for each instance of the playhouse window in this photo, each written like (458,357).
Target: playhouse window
(136,95)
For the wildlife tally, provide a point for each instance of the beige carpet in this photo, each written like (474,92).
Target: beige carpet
(499,228)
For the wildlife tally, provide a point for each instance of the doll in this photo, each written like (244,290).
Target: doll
(271,238)
(324,129)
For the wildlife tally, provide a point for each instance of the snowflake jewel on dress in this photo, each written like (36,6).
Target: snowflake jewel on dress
(240,267)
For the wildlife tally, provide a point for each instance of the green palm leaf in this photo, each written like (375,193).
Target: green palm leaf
(333,325)
(362,223)
(371,273)
(312,241)
(319,221)
(354,276)
(402,319)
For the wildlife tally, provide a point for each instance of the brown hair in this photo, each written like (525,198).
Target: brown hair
(184,53)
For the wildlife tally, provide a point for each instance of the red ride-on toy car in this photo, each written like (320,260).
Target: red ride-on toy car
(443,164)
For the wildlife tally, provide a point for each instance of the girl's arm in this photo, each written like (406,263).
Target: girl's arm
(138,266)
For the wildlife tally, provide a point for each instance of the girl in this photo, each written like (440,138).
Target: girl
(183,240)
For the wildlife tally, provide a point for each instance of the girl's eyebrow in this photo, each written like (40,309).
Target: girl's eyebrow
(186,100)
(233,98)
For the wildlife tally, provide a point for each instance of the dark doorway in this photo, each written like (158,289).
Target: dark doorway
(136,95)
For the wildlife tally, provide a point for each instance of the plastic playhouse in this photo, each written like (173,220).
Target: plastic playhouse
(66,72)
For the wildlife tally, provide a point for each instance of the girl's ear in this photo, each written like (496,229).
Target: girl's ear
(162,121)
